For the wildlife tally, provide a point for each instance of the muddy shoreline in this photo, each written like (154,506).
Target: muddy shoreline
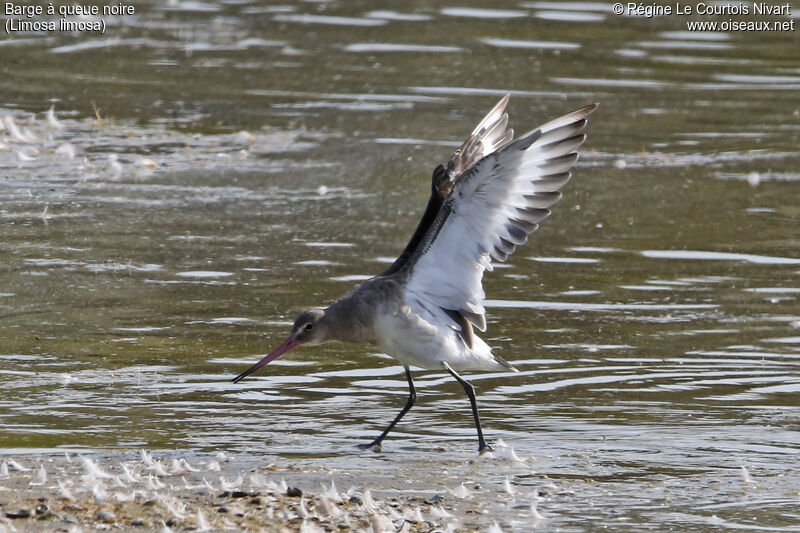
(143,491)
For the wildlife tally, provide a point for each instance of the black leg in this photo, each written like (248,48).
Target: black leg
(470,390)
(412,397)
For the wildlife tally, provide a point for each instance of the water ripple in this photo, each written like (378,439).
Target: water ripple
(701,255)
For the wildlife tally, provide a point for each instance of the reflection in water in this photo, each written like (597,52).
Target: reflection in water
(246,160)
(483,13)
(721,256)
(537,45)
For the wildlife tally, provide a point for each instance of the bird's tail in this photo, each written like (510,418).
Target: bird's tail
(505,363)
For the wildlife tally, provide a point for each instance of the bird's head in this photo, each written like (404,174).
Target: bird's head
(309,328)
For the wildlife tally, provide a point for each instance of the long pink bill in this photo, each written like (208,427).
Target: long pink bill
(287,345)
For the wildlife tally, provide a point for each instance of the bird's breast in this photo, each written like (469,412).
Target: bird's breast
(414,341)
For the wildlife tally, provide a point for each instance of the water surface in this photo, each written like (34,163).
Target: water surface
(214,169)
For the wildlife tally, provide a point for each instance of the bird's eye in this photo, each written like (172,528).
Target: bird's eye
(309,326)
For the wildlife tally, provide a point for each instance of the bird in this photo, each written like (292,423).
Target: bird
(423,310)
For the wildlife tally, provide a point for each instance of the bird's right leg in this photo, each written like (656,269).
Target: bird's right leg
(412,397)
(470,390)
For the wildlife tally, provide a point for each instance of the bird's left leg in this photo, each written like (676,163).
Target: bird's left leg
(470,390)
(412,397)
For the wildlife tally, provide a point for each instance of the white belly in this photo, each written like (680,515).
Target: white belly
(414,341)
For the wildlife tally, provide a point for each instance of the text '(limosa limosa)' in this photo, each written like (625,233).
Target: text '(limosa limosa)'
(423,309)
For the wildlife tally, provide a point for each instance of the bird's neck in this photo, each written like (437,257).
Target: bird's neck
(349,320)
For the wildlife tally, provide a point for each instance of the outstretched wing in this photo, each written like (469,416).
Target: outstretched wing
(489,135)
(492,208)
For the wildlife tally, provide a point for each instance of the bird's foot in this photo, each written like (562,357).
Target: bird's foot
(483,447)
(374,445)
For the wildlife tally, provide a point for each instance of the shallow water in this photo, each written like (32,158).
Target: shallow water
(254,160)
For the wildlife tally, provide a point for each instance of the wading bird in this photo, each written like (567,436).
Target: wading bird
(422,310)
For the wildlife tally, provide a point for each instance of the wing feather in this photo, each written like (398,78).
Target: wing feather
(500,190)
(489,135)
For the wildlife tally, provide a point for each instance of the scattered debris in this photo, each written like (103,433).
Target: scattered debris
(83,494)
